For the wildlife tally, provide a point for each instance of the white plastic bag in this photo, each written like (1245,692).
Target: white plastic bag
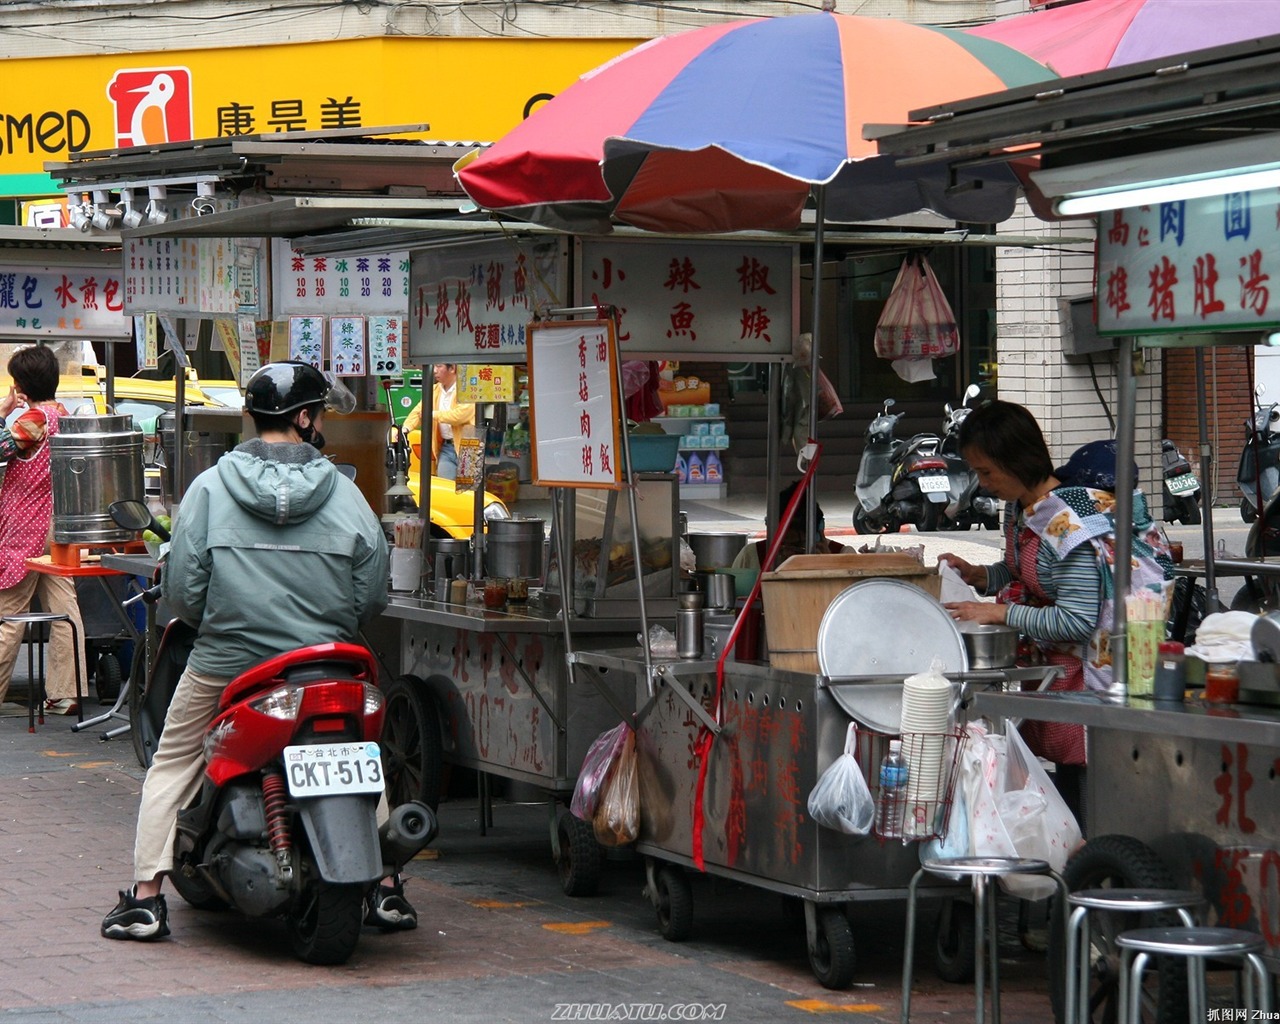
(841,799)
(1014,809)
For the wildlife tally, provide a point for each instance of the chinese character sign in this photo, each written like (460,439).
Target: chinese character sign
(370,283)
(486,382)
(184,276)
(574,404)
(471,302)
(55,301)
(306,340)
(1190,265)
(696,298)
(346,346)
(386,335)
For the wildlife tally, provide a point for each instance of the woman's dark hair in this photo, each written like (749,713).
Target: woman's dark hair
(35,371)
(1010,437)
(798,520)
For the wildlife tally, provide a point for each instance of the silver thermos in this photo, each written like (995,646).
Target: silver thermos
(689,626)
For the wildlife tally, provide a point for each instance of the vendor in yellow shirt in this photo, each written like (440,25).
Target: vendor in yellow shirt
(446,416)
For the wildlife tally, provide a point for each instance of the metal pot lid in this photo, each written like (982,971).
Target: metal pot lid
(878,706)
(883,627)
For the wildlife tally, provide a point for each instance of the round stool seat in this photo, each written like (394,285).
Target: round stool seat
(987,866)
(1135,900)
(1192,941)
(35,618)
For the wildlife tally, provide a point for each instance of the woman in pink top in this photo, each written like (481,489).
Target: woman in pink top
(26,515)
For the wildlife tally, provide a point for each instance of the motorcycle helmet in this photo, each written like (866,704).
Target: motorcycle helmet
(280,388)
(1093,465)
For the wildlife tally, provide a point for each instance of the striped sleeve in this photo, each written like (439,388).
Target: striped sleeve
(1075,586)
(26,432)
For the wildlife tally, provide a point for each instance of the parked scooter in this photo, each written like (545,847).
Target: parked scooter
(899,483)
(1182,488)
(285,824)
(1259,473)
(968,503)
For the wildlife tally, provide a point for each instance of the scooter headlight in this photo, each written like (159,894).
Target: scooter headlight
(495,510)
(282,703)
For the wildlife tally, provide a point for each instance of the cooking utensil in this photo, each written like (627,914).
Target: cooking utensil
(989,645)
(717,589)
(716,550)
(883,627)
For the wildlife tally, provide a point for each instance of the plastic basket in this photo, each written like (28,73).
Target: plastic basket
(654,453)
(925,809)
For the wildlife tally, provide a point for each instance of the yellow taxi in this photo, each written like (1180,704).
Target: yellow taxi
(452,514)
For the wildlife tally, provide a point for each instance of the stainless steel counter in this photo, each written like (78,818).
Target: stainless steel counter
(1193,718)
(478,619)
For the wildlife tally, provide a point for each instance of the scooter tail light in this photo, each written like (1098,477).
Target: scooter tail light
(373,699)
(335,698)
(283,703)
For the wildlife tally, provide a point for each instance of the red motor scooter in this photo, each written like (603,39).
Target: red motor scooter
(285,823)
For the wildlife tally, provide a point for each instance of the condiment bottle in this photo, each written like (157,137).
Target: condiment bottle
(1171,672)
(1221,682)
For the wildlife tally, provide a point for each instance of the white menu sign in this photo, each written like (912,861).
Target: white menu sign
(371,283)
(60,301)
(386,334)
(710,300)
(574,404)
(1194,265)
(184,276)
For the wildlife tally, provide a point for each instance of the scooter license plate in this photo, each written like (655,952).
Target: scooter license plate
(1185,484)
(328,769)
(935,484)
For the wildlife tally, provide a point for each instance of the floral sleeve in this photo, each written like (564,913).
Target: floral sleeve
(22,435)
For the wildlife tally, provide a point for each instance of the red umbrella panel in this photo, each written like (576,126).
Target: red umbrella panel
(727,127)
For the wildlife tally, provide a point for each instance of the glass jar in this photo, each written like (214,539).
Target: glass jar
(495,593)
(1221,683)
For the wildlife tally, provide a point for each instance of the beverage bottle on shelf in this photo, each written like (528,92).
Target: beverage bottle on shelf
(893,792)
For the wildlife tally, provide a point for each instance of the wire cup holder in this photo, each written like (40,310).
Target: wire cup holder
(923,810)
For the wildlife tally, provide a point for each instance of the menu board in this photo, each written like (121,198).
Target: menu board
(42,302)
(1189,266)
(574,407)
(339,285)
(184,276)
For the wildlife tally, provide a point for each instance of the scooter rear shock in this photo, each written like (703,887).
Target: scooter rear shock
(273,803)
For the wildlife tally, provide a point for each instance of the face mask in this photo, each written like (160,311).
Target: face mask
(310,435)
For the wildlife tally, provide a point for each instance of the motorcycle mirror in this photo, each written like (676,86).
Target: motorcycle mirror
(1260,390)
(947,409)
(133,515)
(890,403)
(972,391)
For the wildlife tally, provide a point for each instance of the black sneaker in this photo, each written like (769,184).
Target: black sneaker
(143,919)
(389,910)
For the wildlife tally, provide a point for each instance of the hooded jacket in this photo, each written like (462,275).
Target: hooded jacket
(273,549)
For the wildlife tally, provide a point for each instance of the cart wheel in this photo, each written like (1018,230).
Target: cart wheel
(107,677)
(579,860)
(1117,862)
(142,730)
(411,743)
(953,943)
(831,956)
(674,904)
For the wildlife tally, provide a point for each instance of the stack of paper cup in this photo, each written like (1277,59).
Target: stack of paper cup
(926,716)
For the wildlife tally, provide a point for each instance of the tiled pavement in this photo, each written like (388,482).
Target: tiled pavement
(498,940)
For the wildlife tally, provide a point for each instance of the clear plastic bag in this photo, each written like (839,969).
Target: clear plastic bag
(600,758)
(617,819)
(841,799)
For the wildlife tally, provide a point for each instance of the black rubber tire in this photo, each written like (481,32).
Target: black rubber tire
(674,903)
(1117,861)
(1250,598)
(412,744)
(107,677)
(196,892)
(991,522)
(833,960)
(930,517)
(1183,591)
(860,523)
(1247,512)
(579,859)
(953,944)
(1188,511)
(325,926)
(144,735)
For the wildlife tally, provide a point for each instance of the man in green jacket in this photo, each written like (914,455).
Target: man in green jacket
(273,549)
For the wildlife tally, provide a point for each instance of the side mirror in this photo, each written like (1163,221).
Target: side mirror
(972,391)
(889,403)
(134,515)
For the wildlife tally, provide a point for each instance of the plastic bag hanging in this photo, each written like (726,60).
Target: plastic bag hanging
(917,322)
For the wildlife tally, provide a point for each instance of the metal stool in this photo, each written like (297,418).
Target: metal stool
(979,870)
(1197,945)
(1124,901)
(36,688)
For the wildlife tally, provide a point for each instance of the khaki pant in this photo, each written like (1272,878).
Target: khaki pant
(177,772)
(57,594)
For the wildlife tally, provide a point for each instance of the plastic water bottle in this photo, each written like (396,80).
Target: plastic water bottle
(893,792)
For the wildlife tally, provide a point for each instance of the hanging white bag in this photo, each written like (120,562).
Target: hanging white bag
(841,799)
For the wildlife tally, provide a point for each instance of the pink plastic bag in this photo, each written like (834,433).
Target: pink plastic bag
(602,755)
(917,322)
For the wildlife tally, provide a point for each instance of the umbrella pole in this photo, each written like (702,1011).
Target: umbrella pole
(815,348)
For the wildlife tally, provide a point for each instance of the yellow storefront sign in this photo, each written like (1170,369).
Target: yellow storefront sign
(465,89)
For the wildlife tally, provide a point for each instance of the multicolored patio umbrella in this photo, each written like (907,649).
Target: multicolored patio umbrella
(727,127)
(1097,34)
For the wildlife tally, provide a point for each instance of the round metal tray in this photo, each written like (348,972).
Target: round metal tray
(883,627)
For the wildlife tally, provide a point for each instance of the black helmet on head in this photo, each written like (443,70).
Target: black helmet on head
(281,388)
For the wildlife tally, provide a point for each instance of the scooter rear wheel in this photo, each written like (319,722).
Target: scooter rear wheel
(325,927)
